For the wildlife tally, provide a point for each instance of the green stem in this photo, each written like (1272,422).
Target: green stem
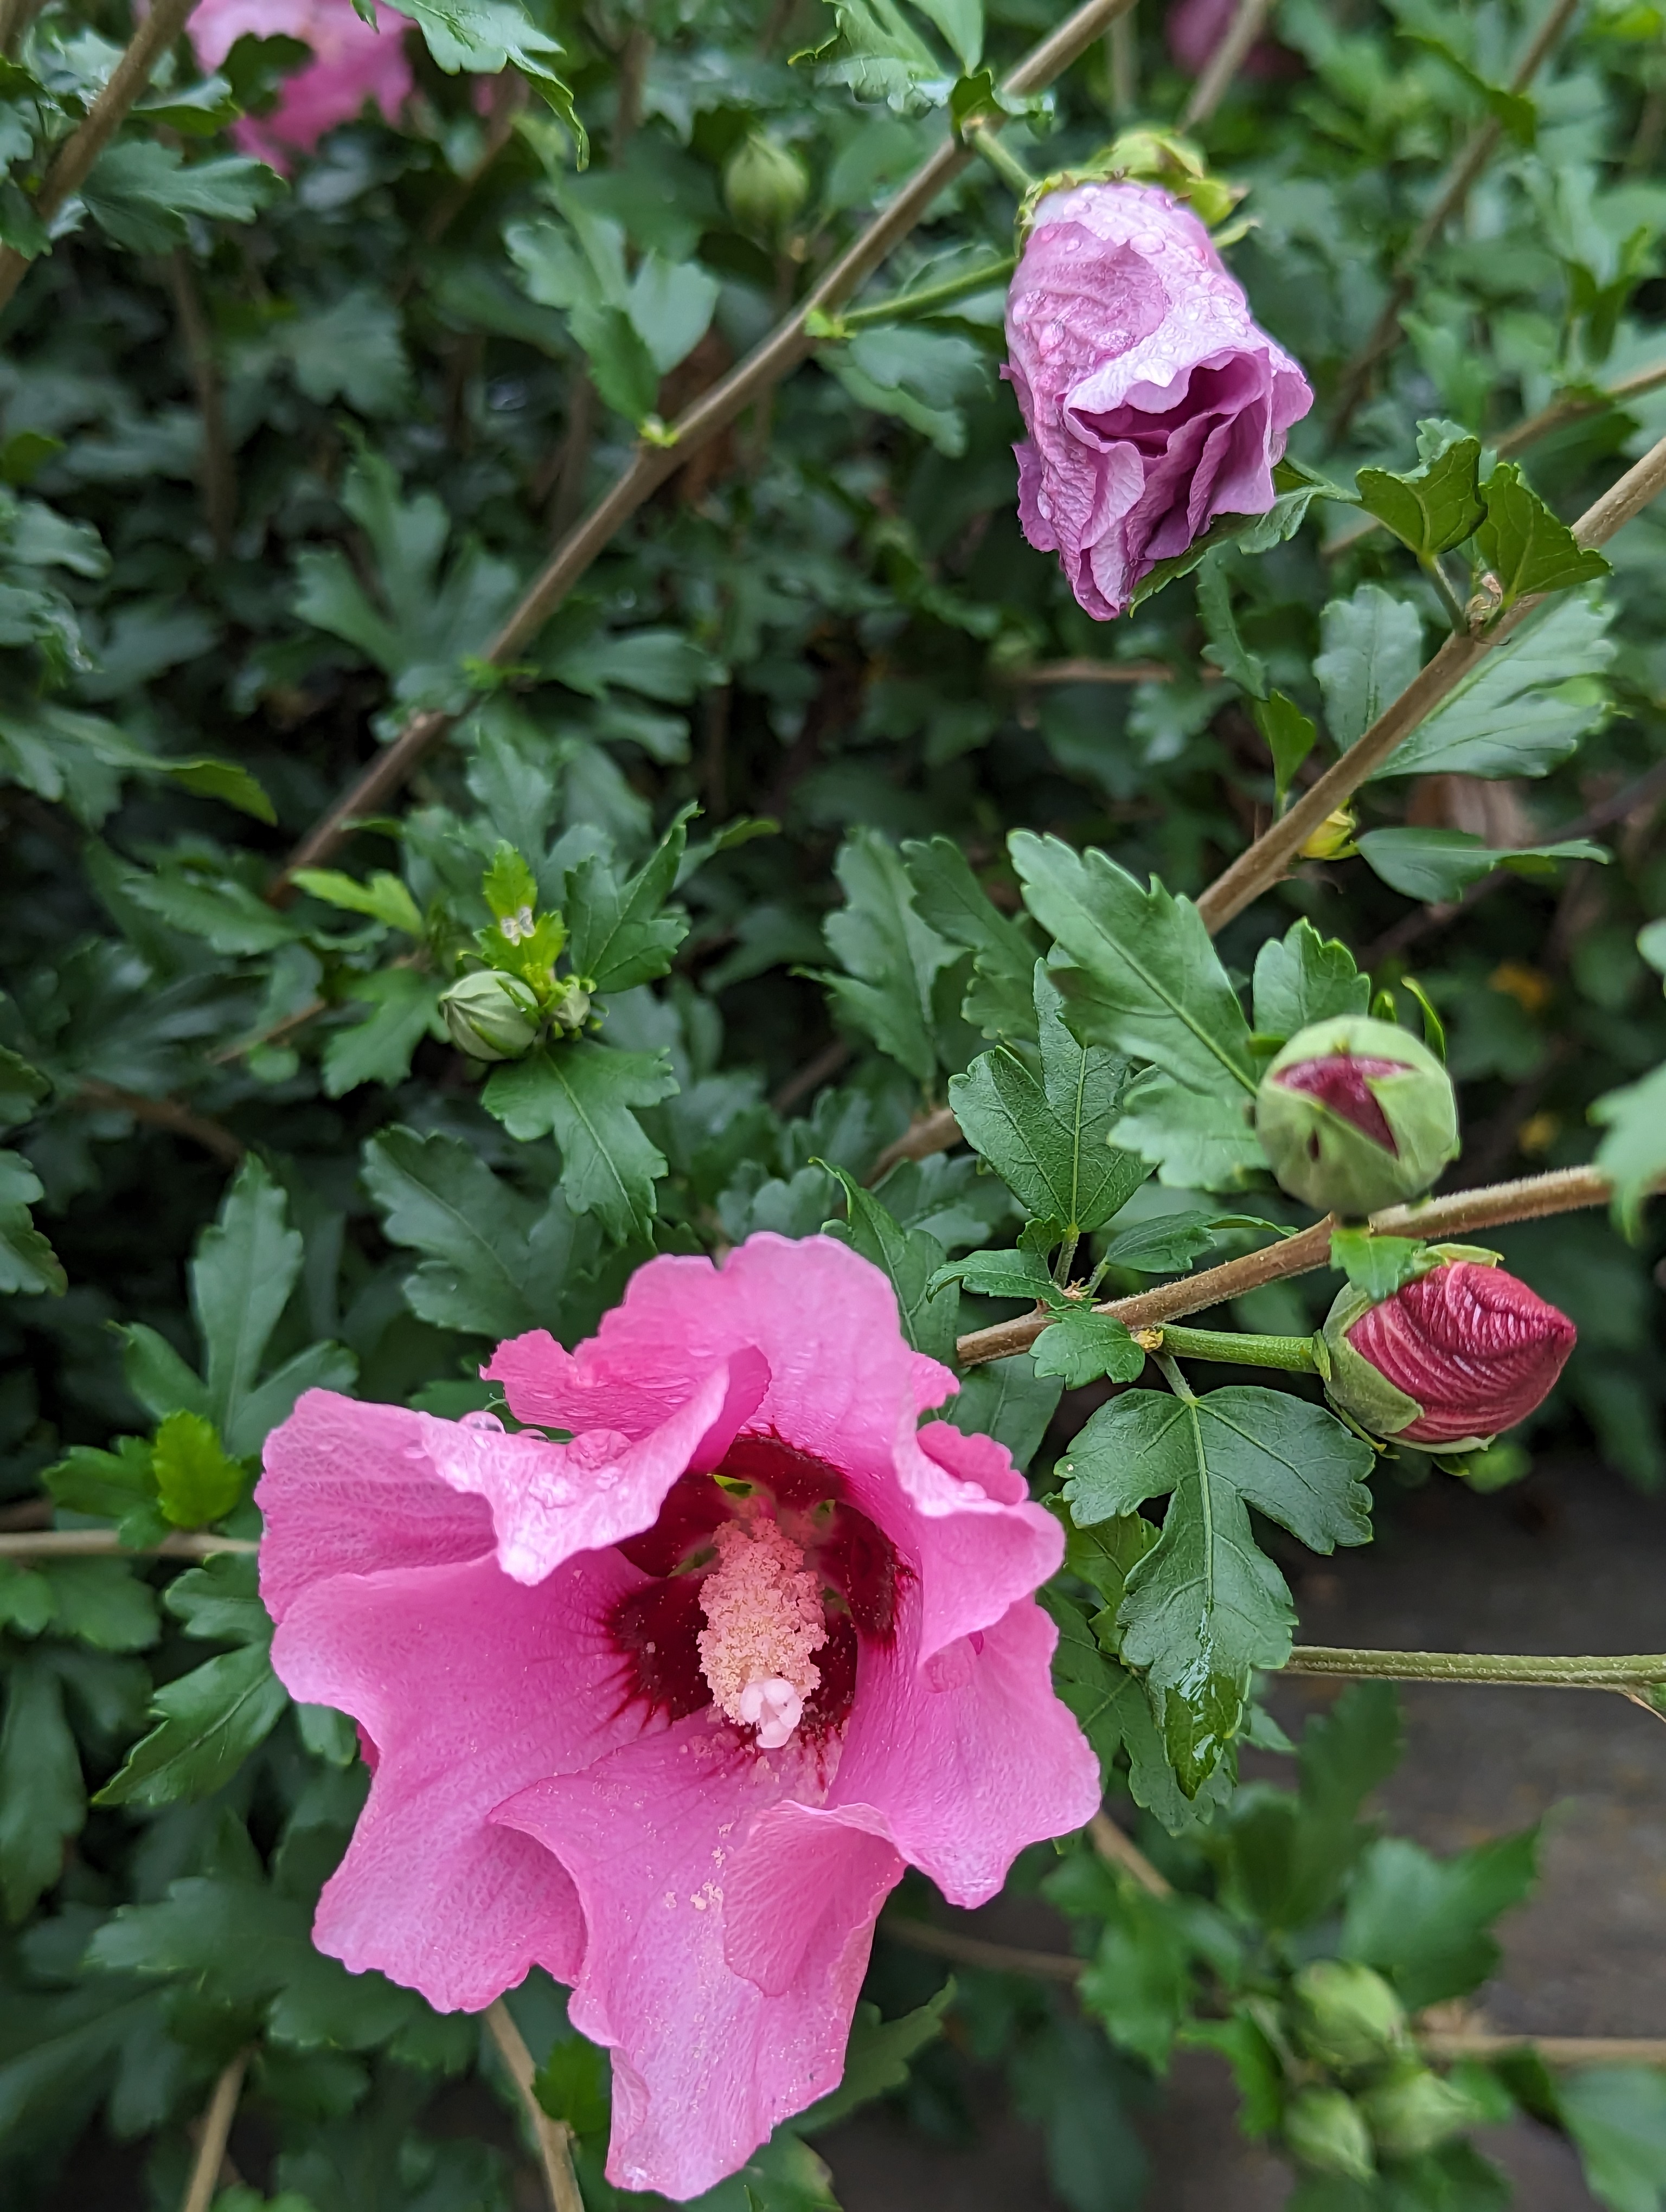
(930,297)
(1449,599)
(1066,1257)
(1631,1671)
(1000,157)
(1294,1354)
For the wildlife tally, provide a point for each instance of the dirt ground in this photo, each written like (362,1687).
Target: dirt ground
(1571,1561)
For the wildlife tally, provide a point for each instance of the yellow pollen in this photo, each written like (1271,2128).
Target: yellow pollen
(763,1618)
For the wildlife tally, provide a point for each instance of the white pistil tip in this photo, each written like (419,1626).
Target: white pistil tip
(763,1618)
(773,1708)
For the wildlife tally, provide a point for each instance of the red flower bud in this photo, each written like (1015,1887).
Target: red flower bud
(1448,1360)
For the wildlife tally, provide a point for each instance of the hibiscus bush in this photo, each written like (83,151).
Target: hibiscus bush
(768,769)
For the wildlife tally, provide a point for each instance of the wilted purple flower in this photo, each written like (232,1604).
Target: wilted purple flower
(1152,401)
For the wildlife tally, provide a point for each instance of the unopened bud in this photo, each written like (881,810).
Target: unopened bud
(1346,2015)
(1327,2131)
(1334,838)
(1354,1113)
(764,185)
(570,1007)
(1451,1357)
(1417,2111)
(491,1016)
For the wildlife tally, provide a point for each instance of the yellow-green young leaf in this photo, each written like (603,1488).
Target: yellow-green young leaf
(196,1482)
(1527,547)
(509,887)
(383,897)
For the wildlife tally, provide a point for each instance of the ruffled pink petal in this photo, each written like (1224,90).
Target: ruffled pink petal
(704,2062)
(805,1879)
(976,1542)
(549,1501)
(470,1686)
(968,1758)
(348,1489)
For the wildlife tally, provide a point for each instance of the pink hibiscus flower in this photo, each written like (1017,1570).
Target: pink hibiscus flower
(667,1709)
(353,61)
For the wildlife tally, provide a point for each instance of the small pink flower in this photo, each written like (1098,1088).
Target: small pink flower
(667,1709)
(1153,403)
(353,61)
(1474,1349)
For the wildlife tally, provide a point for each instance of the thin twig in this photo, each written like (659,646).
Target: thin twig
(935,1132)
(1263,865)
(98,1543)
(508,98)
(218,477)
(978,1951)
(1122,57)
(554,2137)
(1447,201)
(1119,1849)
(155,35)
(1042,672)
(96,1098)
(212,2140)
(1564,1190)
(774,357)
(1224,65)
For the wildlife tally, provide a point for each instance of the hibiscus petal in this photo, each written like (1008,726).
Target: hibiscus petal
(348,1489)
(978,1543)
(969,1758)
(470,1686)
(704,2062)
(806,1878)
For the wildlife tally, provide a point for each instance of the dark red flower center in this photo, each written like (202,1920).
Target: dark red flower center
(1339,1081)
(857,1572)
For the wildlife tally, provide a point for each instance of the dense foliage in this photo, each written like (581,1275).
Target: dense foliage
(769,824)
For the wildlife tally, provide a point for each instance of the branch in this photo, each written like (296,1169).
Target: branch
(1263,865)
(92,1543)
(1121,1851)
(1446,203)
(211,2141)
(936,1132)
(96,1098)
(1633,1672)
(554,2137)
(1224,65)
(776,356)
(978,1951)
(155,35)
(218,479)
(1531,1199)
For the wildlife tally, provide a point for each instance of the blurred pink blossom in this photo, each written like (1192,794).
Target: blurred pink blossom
(1152,401)
(668,1708)
(352,62)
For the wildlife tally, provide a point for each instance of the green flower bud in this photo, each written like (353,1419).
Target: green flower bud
(491,1016)
(1416,2111)
(1354,1113)
(1347,2016)
(1327,2131)
(764,185)
(570,1007)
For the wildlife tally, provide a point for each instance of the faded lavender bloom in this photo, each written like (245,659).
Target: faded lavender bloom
(1451,1358)
(1153,402)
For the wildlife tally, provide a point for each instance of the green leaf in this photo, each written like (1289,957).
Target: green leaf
(28,1262)
(582,1094)
(1147,980)
(1435,865)
(911,1258)
(1006,1399)
(1527,547)
(209,1721)
(891,957)
(1436,506)
(21,1090)
(1207,1604)
(1195,1139)
(1049,1141)
(483,37)
(140,192)
(1378,1265)
(43,1803)
(231,917)
(352,350)
(620,936)
(509,886)
(1221,632)
(877,2057)
(157,1377)
(496,1264)
(1372,647)
(1424,1921)
(1163,1243)
(948,898)
(1290,735)
(1289,1856)
(1302,978)
(403,1008)
(572,2085)
(219,1602)
(1021,1274)
(1633,1147)
(1616,2115)
(1525,707)
(244,1267)
(196,1482)
(1082,1346)
(382,897)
